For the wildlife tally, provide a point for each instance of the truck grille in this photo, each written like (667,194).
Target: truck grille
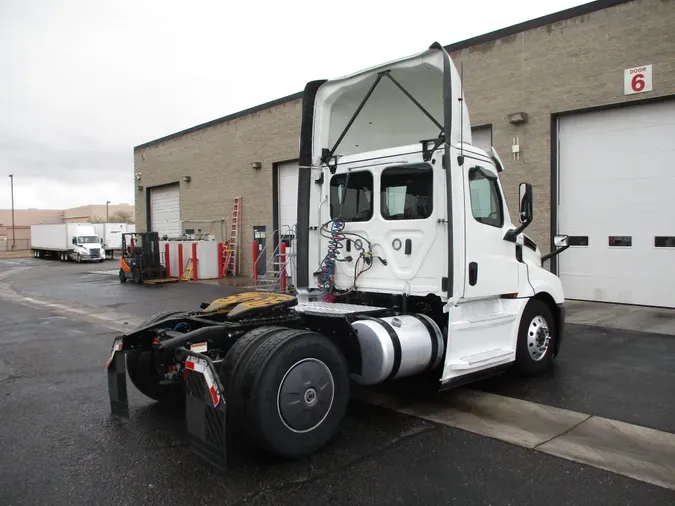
(95,252)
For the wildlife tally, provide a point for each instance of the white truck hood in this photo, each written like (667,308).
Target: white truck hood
(389,118)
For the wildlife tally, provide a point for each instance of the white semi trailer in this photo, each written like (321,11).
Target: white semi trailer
(111,235)
(67,241)
(409,266)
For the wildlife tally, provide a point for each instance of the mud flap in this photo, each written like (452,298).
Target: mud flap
(117,380)
(205,410)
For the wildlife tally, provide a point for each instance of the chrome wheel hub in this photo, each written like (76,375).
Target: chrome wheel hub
(538,338)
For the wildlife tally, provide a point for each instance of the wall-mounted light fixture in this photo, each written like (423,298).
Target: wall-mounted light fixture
(515,148)
(517,118)
(187,179)
(137,176)
(140,187)
(256,165)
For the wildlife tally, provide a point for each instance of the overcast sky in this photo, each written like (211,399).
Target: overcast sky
(84,81)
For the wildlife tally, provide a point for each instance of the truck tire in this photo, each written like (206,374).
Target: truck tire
(123,276)
(536,339)
(144,376)
(292,366)
(231,372)
(138,276)
(239,349)
(79,258)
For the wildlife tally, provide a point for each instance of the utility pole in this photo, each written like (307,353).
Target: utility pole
(11,182)
(106,210)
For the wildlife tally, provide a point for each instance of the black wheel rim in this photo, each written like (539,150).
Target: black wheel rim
(305,395)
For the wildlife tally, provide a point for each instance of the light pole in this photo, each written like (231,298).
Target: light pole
(106,210)
(11,182)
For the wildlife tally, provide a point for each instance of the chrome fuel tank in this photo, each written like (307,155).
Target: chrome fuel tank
(397,346)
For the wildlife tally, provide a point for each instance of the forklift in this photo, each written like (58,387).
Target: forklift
(140,258)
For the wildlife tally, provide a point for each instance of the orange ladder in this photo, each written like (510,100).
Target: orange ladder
(231,250)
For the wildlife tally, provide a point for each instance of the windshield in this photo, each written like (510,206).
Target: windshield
(87,239)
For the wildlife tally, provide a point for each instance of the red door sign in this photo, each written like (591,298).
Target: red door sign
(637,80)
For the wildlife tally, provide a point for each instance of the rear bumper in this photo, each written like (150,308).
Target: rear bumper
(561,325)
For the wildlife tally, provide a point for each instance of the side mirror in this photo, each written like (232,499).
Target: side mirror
(525,211)
(526,207)
(561,241)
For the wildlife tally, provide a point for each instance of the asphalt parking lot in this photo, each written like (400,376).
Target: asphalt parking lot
(60,445)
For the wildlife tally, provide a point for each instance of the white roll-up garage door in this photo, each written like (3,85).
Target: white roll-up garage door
(481,137)
(165,210)
(288,196)
(617,202)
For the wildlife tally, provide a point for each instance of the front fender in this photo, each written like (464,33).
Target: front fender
(548,285)
(544,281)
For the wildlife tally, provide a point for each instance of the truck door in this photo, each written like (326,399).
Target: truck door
(491,264)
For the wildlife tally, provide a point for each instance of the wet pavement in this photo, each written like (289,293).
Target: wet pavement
(60,445)
(619,374)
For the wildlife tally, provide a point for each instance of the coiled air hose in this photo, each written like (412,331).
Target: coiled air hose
(327,277)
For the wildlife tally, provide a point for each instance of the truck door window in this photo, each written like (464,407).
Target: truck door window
(358,197)
(486,200)
(406,193)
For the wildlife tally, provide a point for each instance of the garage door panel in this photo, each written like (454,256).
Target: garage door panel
(165,210)
(481,137)
(616,178)
(288,196)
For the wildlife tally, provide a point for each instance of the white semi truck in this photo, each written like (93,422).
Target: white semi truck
(67,241)
(409,267)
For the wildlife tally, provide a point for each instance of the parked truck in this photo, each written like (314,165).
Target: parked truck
(410,268)
(67,241)
(111,235)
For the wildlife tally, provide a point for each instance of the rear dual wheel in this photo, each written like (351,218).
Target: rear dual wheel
(142,370)
(145,377)
(288,390)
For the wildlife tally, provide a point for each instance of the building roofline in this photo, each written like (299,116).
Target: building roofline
(555,17)
(239,114)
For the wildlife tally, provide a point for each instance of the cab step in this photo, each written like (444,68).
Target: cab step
(483,358)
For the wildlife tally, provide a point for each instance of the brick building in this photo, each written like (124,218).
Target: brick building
(587,98)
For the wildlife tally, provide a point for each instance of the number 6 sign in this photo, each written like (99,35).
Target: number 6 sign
(637,80)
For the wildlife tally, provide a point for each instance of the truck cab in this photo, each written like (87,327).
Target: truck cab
(397,207)
(86,245)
